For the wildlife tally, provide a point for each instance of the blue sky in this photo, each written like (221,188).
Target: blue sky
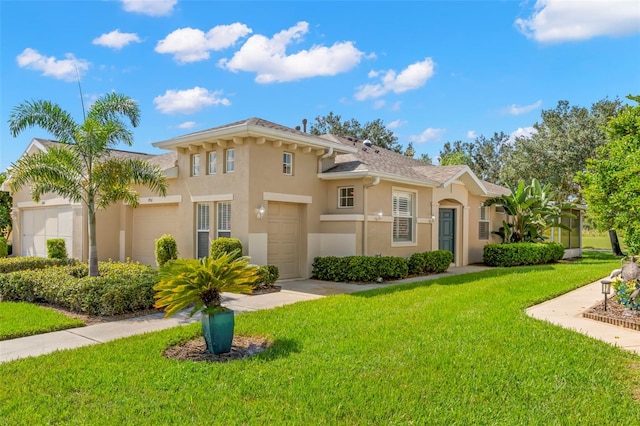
(433,71)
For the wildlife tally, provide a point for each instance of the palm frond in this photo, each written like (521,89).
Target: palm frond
(113,105)
(46,115)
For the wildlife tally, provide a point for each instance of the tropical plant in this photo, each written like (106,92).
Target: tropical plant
(186,282)
(5,209)
(82,168)
(531,210)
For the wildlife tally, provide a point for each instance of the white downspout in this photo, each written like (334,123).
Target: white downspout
(327,155)
(366,215)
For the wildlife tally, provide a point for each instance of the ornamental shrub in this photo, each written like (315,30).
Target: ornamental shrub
(122,287)
(438,261)
(225,245)
(518,254)
(623,293)
(359,268)
(12,264)
(267,276)
(166,249)
(56,248)
(4,247)
(417,263)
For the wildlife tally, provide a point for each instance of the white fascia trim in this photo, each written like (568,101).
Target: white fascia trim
(425,220)
(384,176)
(213,197)
(287,198)
(466,170)
(247,130)
(169,199)
(45,203)
(341,218)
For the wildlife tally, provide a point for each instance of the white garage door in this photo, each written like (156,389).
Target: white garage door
(149,224)
(284,238)
(40,225)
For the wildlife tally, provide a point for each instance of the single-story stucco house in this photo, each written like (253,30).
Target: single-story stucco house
(289,196)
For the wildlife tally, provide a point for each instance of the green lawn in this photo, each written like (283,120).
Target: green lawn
(599,240)
(25,319)
(454,351)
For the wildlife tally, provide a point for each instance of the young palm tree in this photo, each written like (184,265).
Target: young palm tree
(82,168)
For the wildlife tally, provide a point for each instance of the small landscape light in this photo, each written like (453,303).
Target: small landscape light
(606,289)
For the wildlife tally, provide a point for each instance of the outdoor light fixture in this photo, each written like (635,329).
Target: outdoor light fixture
(379,214)
(261,211)
(606,289)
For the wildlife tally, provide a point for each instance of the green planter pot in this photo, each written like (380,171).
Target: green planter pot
(218,331)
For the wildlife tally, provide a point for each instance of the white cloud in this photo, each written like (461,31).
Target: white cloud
(411,78)
(471,134)
(522,132)
(396,123)
(192,44)
(429,134)
(187,125)
(61,69)
(268,58)
(379,104)
(188,101)
(519,110)
(396,106)
(116,40)
(150,7)
(562,20)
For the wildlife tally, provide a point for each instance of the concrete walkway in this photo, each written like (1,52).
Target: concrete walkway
(564,311)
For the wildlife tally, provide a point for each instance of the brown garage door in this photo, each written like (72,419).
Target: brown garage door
(150,223)
(284,238)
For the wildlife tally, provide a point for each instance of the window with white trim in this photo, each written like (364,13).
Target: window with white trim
(195,165)
(403,217)
(224,220)
(287,163)
(345,197)
(230,161)
(212,163)
(483,223)
(202,230)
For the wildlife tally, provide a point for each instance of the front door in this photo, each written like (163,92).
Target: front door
(447,230)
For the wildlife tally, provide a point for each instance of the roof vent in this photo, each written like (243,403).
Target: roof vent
(366,142)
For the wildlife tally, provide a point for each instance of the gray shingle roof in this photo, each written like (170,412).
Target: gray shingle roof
(377,160)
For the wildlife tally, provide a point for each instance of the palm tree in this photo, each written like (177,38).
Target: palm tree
(82,168)
(531,210)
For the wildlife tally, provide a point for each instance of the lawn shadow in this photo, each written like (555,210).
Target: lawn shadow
(462,279)
(280,348)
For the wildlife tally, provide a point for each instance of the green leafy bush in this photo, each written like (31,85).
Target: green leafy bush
(438,261)
(12,264)
(522,254)
(359,268)
(4,247)
(122,287)
(267,276)
(225,245)
(417,263)
(166,249)
(623,293)
(56,248)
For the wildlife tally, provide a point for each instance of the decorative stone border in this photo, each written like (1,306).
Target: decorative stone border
(613,321)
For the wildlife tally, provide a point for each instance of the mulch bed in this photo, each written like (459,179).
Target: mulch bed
(196,350)
(616,314)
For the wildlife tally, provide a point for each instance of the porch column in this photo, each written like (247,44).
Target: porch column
(435,226)
(464,253)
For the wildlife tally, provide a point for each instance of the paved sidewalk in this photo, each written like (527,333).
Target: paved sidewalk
(566,311)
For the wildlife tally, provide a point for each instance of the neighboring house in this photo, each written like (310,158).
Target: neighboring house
(289,196)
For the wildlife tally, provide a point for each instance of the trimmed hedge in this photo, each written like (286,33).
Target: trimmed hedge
(13,264)
(56,248)
(4,247)
(267,276)
(359,268)
(166,249)
(122,287)
(518,254)
(430,262)
(225,245)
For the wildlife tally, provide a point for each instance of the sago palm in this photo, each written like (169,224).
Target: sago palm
(187,282)
(82,168)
